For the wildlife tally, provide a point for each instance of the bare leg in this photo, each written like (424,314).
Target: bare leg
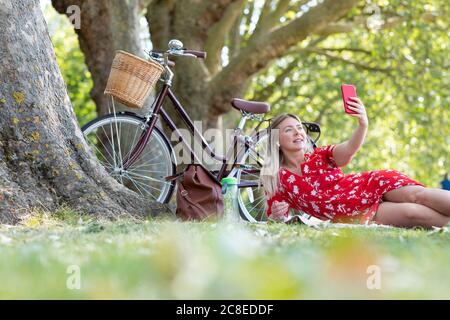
(409,215)
(436,199)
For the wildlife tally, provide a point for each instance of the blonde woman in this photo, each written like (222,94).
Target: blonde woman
(297,176)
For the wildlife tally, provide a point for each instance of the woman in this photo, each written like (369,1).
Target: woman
(297,176)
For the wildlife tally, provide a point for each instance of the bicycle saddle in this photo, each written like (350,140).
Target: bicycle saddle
(250,106)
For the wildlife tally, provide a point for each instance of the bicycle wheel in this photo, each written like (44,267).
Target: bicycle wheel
(112,137)
(252,199)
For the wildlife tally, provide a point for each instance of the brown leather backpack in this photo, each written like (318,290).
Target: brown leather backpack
(199,194)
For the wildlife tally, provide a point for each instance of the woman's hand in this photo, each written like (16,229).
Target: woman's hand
(357,106)
(279,210)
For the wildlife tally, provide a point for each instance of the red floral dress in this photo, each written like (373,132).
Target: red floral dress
(324,192)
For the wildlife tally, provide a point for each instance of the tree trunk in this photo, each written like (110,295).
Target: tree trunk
(106,26)
(190,84)
(44,160)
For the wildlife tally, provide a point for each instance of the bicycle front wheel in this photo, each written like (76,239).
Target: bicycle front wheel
(113,136)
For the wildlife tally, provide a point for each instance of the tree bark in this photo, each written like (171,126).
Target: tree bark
(106,26)
(44,160)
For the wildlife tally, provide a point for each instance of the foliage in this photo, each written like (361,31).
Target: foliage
(401,74)
(72,65)
(164,259)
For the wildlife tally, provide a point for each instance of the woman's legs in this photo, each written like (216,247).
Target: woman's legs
(409,215)
(436,199)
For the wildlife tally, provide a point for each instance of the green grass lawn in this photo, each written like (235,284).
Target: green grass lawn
(165,259)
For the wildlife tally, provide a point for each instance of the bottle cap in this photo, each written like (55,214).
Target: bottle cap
(229,180)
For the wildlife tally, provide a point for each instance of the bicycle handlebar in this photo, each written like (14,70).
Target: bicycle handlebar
(198,54)
(162,57)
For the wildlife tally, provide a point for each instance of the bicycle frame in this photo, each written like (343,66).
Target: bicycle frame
(159,110)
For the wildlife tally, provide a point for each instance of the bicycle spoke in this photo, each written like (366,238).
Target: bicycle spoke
(112,144)
(143,169)
(144,165)
(250,198)
(254,207)
(148,178)
(112,137)
(255,158)
(146,171)
(118,142)
(143,156)
(252,175)
(93,145)
(133,144)
(137,187)
(101,141)
(143,185)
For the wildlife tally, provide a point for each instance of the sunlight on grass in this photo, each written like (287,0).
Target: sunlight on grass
(165,259)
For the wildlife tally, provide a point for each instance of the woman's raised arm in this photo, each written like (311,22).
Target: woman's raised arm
(345,151)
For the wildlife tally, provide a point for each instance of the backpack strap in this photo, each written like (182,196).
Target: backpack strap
(173,177)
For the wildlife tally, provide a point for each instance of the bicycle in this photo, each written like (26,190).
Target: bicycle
(140,156)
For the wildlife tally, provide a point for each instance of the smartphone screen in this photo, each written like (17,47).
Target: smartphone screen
(348,90)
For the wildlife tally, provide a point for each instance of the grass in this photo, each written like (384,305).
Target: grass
(166,259)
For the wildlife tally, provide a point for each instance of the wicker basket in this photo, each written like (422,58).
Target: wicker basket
(131,79)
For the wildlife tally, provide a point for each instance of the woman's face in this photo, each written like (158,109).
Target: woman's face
(292,136)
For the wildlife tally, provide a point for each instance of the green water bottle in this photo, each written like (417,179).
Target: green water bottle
(230,201)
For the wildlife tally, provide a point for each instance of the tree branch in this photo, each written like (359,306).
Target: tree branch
(234,38)
(217,35)
(358,65)
(248,19)
(271,19)
(158,17)
(268,91)
(347,49)
(259,53)
(347,27)
(265,11)
(212,11)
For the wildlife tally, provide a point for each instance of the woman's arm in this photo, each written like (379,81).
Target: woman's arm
(345,151)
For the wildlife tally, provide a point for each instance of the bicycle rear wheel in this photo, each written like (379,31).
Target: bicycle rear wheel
(252,200)
(113,136)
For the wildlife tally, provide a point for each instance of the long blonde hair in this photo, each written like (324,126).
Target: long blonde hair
(274,156)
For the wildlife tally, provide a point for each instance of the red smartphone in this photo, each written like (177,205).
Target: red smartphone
(348,90)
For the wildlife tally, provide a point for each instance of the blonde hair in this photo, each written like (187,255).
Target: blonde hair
(273,156)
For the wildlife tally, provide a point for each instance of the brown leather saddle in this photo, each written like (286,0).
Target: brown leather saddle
(250,106)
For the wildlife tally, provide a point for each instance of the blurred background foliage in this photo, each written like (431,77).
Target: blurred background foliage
(72,64)
(398,61)
(165,259)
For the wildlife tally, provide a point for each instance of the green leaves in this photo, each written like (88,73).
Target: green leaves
(72,65)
